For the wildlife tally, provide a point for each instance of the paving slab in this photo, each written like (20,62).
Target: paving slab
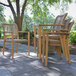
(4,71)
(24,65)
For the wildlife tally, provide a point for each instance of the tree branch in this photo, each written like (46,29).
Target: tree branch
(12,9)
(18,14)
(4,4)
(18,7)
(23,8)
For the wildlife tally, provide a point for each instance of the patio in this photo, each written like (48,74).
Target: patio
(24,65)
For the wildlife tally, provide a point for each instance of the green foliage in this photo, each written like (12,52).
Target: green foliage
(72,36)
(51,2)
(40,12)
(74,26)
(32,35)
(13,0)
(2,19)
(27,23)
(10,20)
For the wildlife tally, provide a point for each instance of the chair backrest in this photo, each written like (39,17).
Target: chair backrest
(60,20)
(10,28)
(66,23)
(70,26)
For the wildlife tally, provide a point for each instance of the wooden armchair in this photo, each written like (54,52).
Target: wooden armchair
(11,34)
(59,20)
(63,41)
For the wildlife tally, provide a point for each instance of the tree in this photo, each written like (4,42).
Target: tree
(1,14)
(18,15)
(27,23)
(2,19)
(62,6)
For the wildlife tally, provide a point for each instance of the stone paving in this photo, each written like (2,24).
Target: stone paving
(24,65)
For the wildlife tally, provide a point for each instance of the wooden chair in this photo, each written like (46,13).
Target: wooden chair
(59,18)
(11,34)
(66,22)
(59,42)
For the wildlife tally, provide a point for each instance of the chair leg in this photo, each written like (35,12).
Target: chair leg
(3,46)
(12,49)
(59,52)
(28,43)
(16,47)
(40,48)
(43,50)
(34,44)
(37,48)
(68,52)
(62,44)
(40,42)
(46,51)
(66,49)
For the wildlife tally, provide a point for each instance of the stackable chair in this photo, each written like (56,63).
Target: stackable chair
(11,34)
(38,34)
(63,41)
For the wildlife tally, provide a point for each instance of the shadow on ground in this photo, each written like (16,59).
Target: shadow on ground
(24,65)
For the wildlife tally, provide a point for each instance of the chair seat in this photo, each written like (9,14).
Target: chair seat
(17,40)
(50,36)
(54,42)
(53,36)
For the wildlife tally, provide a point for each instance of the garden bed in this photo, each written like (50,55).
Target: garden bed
(72,49)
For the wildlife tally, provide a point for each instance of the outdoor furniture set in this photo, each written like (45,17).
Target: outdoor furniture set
(55,35)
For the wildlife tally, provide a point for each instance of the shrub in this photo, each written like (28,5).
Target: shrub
(72,36)
(31,35)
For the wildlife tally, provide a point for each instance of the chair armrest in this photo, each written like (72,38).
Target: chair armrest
(62,31)
(7,32)
(26,32)
(36,25)
(65,30)
(51,25)
(23,31)
(42,25)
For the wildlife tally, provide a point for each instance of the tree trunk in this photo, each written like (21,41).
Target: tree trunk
(18,15)
(19,24)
